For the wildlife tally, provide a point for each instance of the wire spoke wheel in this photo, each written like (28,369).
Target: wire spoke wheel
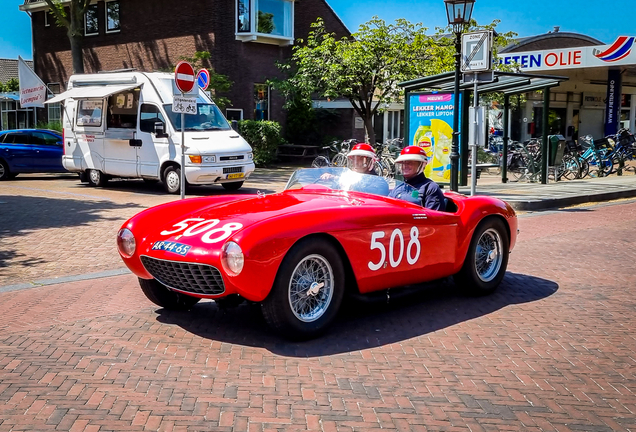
(311,288)
(488,256)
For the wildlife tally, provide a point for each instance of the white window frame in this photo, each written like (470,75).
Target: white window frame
(46,19)
(269,101)
(106,16)
(94,5)
(239,110)
(254,36)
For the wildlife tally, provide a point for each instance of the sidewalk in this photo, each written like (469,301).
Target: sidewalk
(537,196)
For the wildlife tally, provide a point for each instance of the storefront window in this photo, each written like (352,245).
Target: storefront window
(261,102)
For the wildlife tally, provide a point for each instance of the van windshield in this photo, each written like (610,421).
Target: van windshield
(208,117)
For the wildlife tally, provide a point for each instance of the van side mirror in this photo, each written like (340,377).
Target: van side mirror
(235,125)
(159,130)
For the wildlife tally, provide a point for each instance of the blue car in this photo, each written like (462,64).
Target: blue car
(30,151)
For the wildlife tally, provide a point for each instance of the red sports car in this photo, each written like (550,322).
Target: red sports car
(299,251)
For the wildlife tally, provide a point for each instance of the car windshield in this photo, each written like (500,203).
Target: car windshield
(208,117)
(342,179)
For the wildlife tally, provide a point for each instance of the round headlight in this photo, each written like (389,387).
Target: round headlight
(232,258)
(126,242)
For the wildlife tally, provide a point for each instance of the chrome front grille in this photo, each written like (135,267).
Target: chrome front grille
(187,277)
(231,170)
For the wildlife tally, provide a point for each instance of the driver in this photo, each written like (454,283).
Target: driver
(361,160)
(417,188)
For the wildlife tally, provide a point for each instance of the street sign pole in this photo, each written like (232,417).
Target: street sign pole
(182,154)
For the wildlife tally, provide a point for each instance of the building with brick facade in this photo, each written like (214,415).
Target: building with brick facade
(246,38)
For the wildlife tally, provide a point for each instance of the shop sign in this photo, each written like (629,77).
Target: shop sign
(621,52)
(593,100)
(612,102)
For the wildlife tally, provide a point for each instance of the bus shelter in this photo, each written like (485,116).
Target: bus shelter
(507,83)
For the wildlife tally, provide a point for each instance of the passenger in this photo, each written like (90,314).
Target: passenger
(417,188)
(361,159)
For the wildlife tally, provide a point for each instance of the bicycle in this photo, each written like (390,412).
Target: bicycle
(339,159)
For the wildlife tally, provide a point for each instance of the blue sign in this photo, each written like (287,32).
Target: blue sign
(203,79)
(613,102)
(431,127)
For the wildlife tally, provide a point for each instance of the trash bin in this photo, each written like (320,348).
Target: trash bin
(557,147)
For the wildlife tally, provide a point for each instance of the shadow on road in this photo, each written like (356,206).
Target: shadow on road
(20,215)
(362,325)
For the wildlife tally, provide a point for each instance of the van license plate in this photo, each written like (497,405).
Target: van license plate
(235,175)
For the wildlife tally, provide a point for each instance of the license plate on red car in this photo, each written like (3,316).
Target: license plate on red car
(173,247)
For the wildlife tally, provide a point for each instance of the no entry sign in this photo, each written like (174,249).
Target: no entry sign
(203,79)
(184,76)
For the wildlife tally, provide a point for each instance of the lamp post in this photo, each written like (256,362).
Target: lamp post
(458,13)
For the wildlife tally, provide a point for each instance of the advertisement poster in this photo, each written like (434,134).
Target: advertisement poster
(431,127)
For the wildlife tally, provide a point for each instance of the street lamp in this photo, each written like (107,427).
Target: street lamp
(458,13)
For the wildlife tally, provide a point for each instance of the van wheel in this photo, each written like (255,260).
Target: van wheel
(172,179)
(232,186)
(96,178)
(5,174)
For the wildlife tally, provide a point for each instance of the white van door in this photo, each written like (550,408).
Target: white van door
(120,143)
(154,144)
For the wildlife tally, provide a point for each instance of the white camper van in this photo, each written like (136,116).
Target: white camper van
(121,124)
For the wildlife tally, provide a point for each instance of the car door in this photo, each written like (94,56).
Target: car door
(17,152)
(153,145)
(47,151)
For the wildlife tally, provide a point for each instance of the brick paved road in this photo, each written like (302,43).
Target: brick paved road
(552,349)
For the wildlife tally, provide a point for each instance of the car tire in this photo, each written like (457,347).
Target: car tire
(5,174)
(172,179)
(487,258)
(298,306)
(160,295)
(232,186)
(97,178)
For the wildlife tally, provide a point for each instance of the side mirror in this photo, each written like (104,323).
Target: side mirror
(160,131)
(235,125)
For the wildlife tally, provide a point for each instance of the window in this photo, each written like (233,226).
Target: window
(54,112)
(112,16)
(234,114)
(90,21)
(48,18)
(15,138)
(122,110)
(261,102)
(43,138)
(267,21)
(243,16)
(150,115)
(89,112)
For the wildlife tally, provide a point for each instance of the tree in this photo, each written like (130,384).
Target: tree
(71,16)
(219,83)
(366,68)
(10,86)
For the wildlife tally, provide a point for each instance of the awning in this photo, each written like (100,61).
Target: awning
(97,91)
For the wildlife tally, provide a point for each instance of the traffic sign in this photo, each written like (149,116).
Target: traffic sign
(477,51)
(203,79)
(184,76)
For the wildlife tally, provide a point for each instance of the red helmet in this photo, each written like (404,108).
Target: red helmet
(414,153)
(362,149)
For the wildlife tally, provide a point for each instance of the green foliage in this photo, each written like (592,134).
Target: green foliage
(10,86)
(301,127)
(219,83)
(51,125)
(264,137)
(366,68)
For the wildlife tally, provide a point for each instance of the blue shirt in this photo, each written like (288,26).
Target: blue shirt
(422,191)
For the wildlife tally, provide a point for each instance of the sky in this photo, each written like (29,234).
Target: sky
(603,21)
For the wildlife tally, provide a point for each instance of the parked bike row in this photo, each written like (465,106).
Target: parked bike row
(586,157)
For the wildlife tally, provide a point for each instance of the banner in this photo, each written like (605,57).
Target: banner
(430,127)
(32,89)
(620,53)
(613,102)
